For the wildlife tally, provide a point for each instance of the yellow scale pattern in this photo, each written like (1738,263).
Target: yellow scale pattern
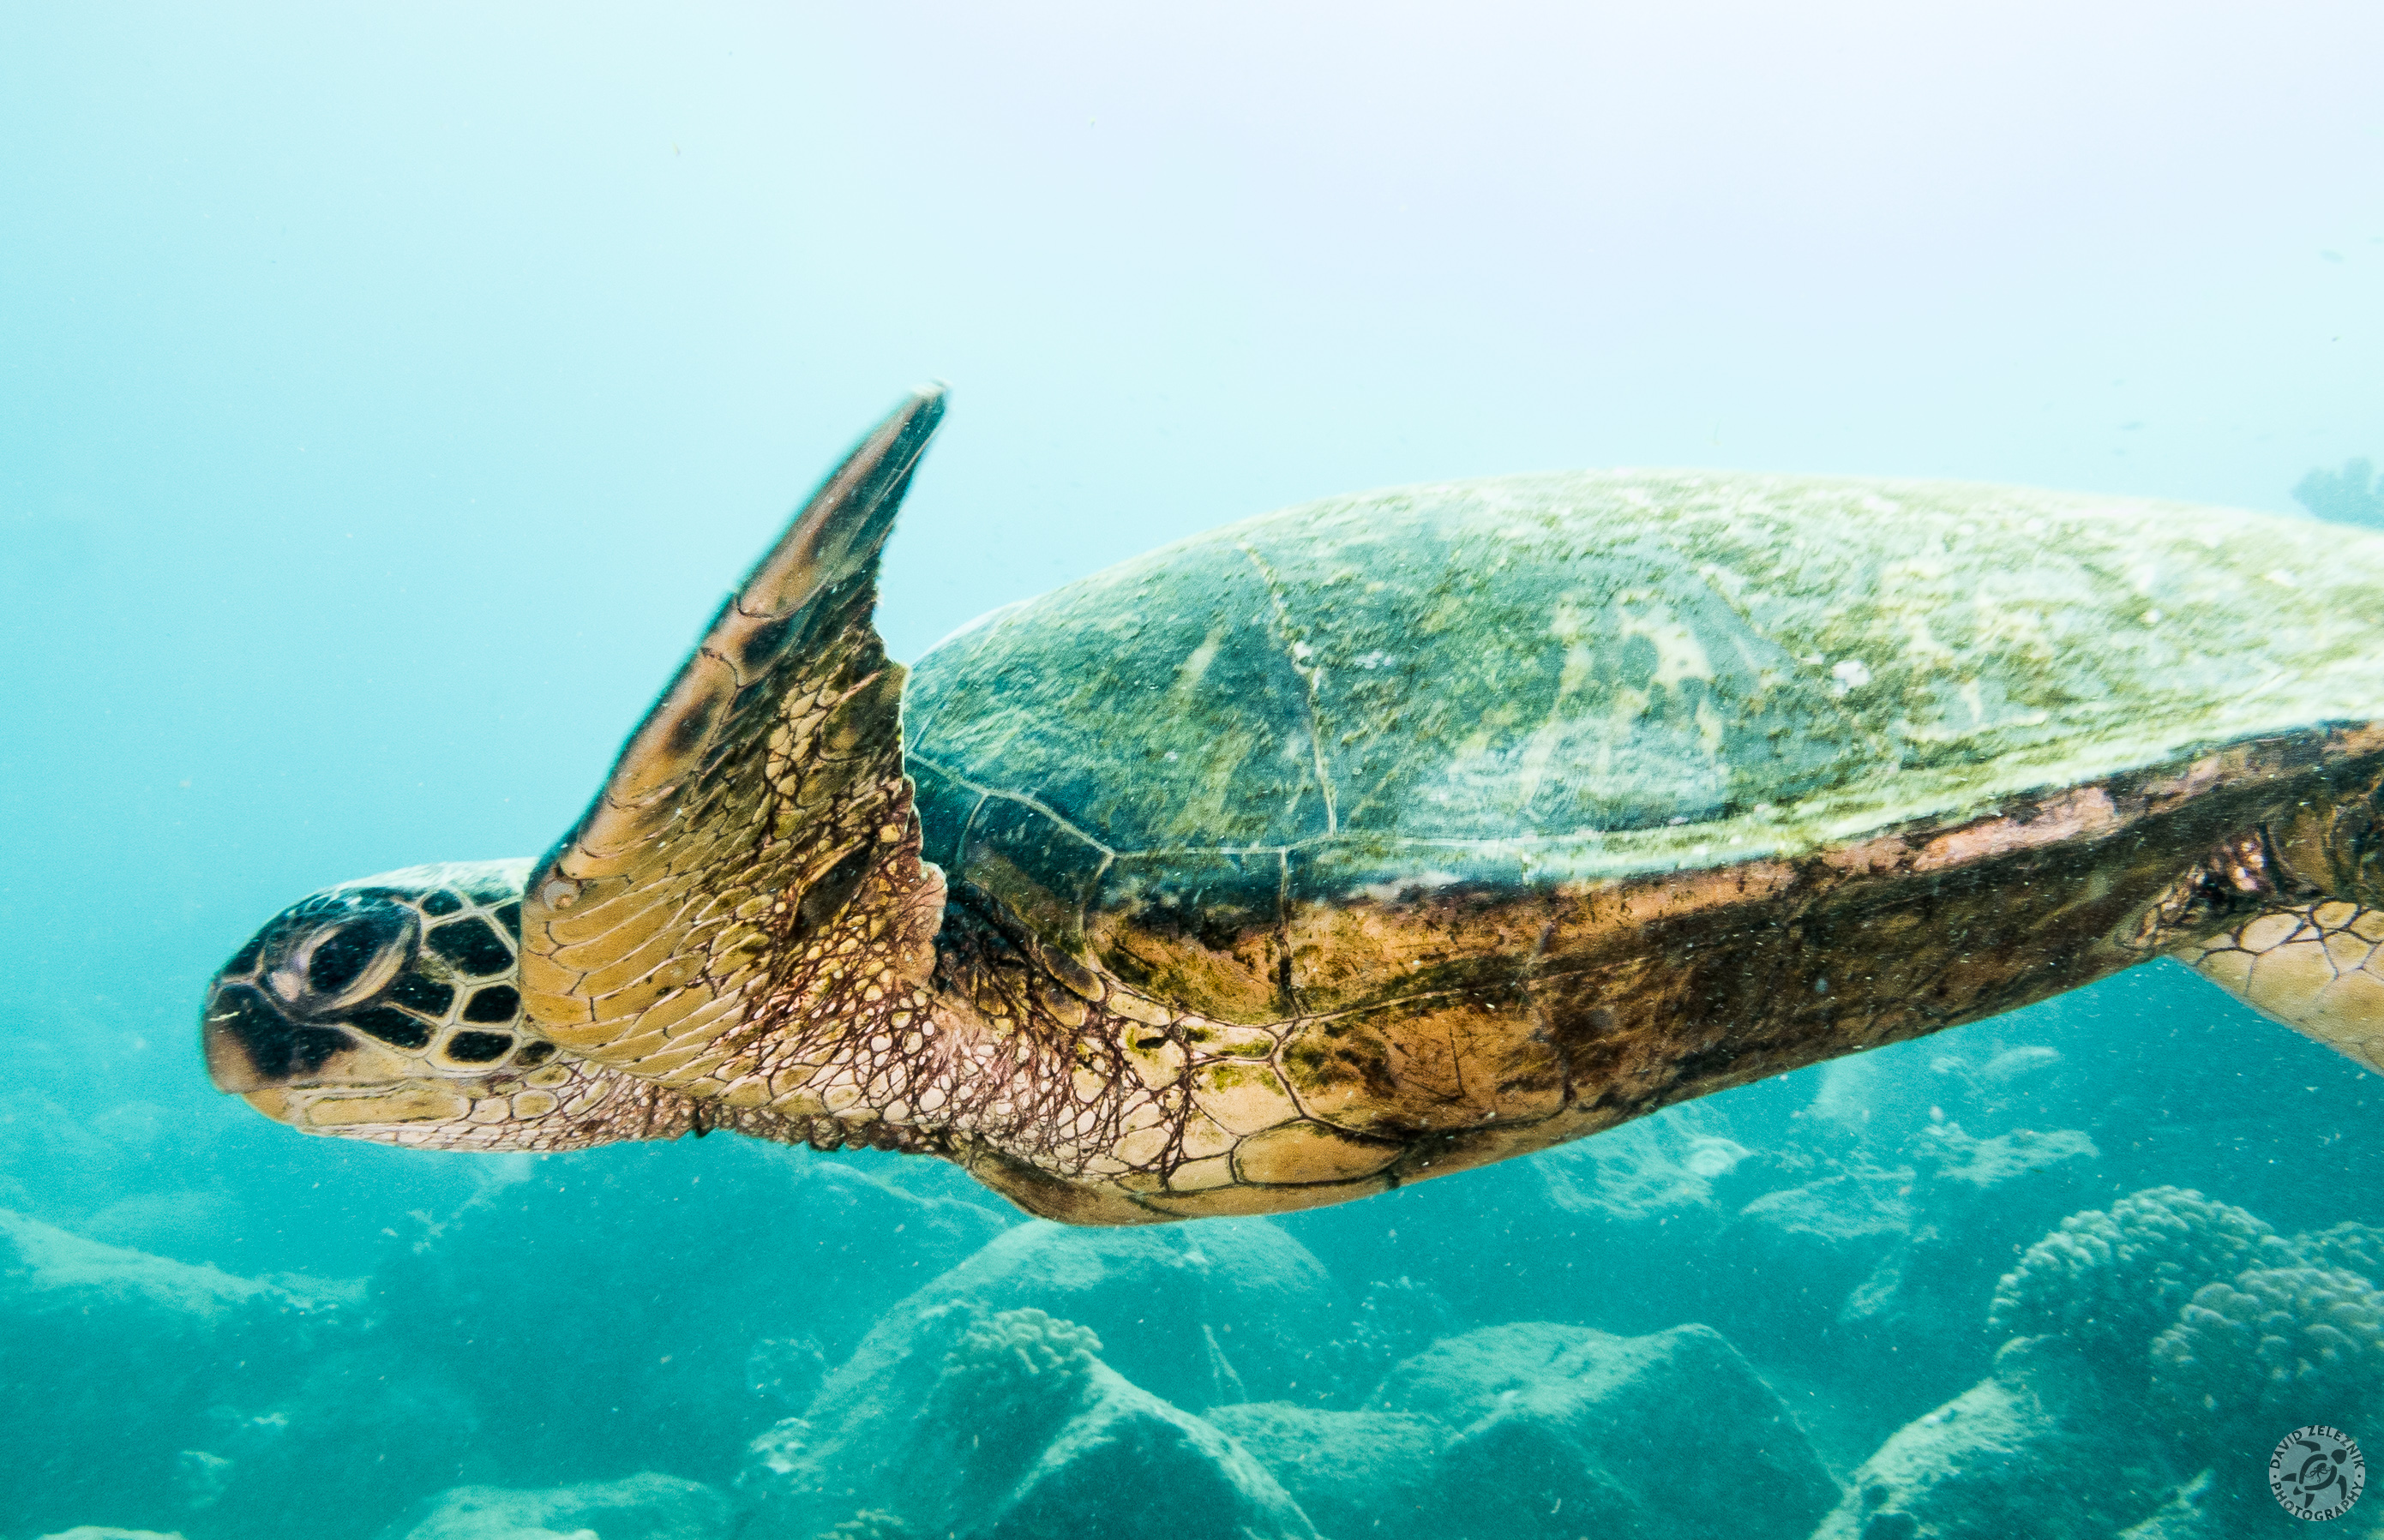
(742,919)
(2313,966)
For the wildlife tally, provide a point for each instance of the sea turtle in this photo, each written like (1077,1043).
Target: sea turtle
(1381,837)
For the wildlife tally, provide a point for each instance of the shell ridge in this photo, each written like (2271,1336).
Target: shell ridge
(1024,800)
(1308,676)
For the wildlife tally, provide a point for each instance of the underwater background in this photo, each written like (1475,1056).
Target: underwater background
(387,394)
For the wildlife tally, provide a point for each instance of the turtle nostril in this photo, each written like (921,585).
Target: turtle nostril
(246,1040)
(250,1046)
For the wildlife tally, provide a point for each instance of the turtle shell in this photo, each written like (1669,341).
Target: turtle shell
(1534,681)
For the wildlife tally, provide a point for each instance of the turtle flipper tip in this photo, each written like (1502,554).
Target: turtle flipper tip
(840,531)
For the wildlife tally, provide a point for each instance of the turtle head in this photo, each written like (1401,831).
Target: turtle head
(387,1008)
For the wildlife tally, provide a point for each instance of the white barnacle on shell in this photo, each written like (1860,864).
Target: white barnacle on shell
(1849,674)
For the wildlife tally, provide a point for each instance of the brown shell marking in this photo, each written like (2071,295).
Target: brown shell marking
(1635,995)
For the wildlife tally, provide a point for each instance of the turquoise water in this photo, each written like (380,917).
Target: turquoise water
(388,397)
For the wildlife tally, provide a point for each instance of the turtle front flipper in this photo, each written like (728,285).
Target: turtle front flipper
(751,868)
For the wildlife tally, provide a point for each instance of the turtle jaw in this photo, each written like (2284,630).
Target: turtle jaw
(318,1078)
(324,1076)
(257,1053)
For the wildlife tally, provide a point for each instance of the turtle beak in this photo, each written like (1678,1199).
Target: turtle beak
(234,1018)
(254,1051)
(249,1046)
(226,1028)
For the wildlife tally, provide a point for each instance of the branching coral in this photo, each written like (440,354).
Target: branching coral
(2276,1347)
(2113,1279)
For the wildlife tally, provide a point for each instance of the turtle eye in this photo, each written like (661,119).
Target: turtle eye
(345,959)
(340,958)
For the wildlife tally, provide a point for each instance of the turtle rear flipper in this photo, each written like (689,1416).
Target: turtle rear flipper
(746,889)
(2306,952)
(2317,967)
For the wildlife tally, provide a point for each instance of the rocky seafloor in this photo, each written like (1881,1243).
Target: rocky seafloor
(2070,1274)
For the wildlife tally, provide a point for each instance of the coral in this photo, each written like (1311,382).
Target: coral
(1018,1364)
(2351,1247)
(2113,1279)
(1559,1431)
(2276,1347)
(1975,1201)
(774,1451)
(1155,1296)
(1375,1474)
(2188,1515)
(216,1358)
(1005,1426)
